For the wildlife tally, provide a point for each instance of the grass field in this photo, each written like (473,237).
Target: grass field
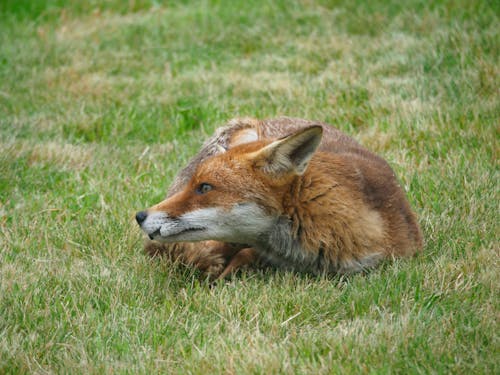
(102,102)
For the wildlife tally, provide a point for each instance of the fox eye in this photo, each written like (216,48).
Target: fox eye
(203,188)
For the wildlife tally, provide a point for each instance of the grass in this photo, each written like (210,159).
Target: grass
(101,104)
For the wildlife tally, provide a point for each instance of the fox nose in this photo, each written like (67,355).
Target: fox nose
(141,216)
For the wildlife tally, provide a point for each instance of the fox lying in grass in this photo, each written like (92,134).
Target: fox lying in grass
(285,192)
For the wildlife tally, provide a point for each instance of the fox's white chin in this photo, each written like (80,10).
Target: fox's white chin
(177,229)
(180,235)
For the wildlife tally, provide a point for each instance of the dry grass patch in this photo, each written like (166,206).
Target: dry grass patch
(64,156)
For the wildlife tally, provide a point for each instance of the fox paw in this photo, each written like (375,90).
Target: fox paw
(213,271)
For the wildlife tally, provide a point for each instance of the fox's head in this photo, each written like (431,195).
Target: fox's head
(235,196)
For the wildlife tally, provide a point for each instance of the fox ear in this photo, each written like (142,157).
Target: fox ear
(292,153)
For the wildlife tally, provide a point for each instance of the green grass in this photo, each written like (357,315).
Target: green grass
(102,103)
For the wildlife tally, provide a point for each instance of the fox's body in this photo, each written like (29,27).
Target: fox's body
(315,201)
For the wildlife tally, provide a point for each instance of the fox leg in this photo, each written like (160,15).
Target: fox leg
(210,257)
(213,258)
(242,258)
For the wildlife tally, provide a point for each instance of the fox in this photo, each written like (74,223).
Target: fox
(288,193)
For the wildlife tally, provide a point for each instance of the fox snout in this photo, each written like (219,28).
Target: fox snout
(160,226)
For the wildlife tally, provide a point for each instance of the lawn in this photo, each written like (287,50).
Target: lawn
(101,103)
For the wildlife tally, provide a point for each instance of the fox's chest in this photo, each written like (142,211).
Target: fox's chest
(279,248)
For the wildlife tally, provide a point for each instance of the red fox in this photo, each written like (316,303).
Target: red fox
(289,193)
